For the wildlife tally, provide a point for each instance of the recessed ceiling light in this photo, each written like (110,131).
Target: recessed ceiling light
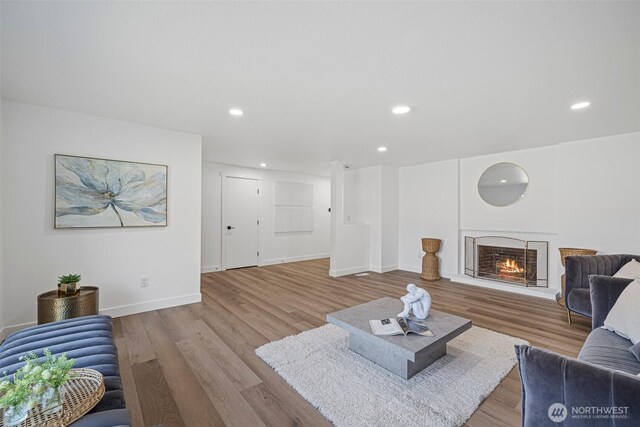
(580,105)
(236,112)
(503,181)
(382,149)
(263,165)
(401,109)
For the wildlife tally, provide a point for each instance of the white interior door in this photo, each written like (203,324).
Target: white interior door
(240,222)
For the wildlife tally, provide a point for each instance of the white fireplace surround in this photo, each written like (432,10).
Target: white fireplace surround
(554,267)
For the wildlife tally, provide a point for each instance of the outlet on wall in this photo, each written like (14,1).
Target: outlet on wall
(144,282)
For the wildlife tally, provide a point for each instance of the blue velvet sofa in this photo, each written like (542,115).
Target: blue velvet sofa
(89,341)
(602,378)
(577,271)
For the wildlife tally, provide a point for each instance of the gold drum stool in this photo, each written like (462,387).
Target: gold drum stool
(430,262)
(54,306)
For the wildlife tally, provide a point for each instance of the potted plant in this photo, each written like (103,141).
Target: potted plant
(68,283)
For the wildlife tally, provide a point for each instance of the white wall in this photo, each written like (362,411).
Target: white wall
(363,206)
(534,217)
(581,194)
(350,249)
(275,247)
(389,219)
(535,212)
(441,200)
(599,203)
(371,198)
(428,207)
(113,259)
(362,195)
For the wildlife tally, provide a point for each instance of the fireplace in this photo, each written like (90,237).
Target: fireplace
(506,259)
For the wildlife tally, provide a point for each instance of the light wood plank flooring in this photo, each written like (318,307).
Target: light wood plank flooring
(195,365)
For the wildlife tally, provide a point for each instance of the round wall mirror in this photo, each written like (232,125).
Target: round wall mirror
(503,184)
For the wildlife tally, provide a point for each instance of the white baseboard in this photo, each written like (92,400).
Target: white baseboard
(158,304)
(292,259)
(347,271)
(418,269)
(214,268)
(124,310)
(210,269)
(384,268)
(411,268)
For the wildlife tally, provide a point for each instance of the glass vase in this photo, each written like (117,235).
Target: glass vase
(14,415)
(52,399)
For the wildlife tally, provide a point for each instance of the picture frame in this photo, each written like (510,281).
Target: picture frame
(93,192)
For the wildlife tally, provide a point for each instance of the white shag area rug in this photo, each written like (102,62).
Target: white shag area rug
(349,390)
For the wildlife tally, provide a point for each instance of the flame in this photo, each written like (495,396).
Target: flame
(510,266)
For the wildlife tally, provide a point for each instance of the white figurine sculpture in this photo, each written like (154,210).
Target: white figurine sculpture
(417,300)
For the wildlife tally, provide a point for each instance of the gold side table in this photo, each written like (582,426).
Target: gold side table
(54,306)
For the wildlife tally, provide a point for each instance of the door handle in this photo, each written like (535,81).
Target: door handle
(230,227)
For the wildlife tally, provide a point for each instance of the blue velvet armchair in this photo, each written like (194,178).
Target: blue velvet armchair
(599,388)
(577,271)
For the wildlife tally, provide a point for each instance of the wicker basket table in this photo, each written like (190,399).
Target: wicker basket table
(430,262)
(82,393)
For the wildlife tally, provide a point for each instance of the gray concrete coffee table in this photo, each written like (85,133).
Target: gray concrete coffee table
(404,356)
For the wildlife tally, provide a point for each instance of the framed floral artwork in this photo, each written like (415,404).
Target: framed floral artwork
(93,192)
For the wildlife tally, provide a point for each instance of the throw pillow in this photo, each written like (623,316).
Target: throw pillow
(630,270)
(624,317)
(635,350)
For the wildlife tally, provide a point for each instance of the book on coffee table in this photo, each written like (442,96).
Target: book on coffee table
(399,326)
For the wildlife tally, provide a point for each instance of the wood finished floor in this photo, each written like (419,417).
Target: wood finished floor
(195,365)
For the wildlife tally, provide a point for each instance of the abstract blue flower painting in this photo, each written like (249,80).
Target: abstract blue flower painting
(109,193)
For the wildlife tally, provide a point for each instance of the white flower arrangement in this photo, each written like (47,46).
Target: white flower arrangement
(38,378)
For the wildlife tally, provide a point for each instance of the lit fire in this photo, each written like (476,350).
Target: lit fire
(510,267)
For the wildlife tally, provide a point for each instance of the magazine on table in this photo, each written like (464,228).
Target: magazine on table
(400,326)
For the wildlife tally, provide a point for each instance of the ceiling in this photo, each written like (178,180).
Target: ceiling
(317,80)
